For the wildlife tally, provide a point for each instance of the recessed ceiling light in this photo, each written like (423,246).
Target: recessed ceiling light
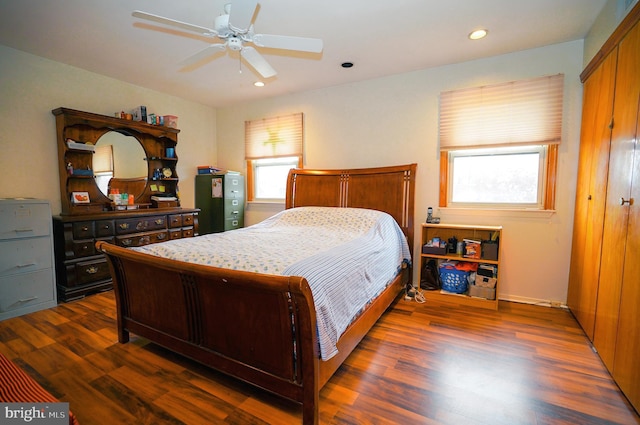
(347,64)
(478,34)
(258,84)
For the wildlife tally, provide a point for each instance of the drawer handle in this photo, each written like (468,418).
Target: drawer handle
(26,300)
(234,222)
(235,212)
(85,228)
(162,236)
(159,221)
(124,226)
(25,265)
(626,201)
(145,240)
(126,242)
(91,270)
(23,230)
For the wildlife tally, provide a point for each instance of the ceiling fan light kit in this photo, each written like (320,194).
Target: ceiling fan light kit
(234,28)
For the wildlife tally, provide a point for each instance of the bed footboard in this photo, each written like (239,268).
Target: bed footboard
(258,328)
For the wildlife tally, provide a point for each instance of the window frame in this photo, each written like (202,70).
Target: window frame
(549,182)
(251,181)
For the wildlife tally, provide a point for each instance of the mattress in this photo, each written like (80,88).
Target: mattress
(348,256)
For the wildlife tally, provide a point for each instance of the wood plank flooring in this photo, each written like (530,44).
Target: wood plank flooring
(420,364)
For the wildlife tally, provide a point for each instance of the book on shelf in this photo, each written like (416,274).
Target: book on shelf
(164,198)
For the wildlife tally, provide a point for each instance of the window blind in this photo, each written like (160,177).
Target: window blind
(103,159)
(274,137)
(525,112)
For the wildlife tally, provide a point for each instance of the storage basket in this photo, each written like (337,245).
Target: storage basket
(453,280)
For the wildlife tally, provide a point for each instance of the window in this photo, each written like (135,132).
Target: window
(272,147)
(270,177)
(498,177)
(499,144)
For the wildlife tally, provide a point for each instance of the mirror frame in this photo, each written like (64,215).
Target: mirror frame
(87,128)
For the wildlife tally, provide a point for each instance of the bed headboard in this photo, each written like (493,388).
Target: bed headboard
(388,189)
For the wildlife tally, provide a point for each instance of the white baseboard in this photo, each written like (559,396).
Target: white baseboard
(532,301)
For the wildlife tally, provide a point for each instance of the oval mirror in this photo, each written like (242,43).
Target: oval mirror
(120,162)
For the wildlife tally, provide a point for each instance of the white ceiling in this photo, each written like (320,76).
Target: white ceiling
(381,37)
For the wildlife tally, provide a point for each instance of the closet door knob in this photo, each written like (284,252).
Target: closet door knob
(626,201)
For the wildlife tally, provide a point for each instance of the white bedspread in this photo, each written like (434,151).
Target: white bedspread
(348,256)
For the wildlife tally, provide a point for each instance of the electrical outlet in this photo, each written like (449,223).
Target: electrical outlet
(555,304)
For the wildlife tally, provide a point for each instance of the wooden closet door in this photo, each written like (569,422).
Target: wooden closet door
(595,138)
(621,167)
(626,369)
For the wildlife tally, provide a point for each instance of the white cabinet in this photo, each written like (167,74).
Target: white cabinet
(27,281)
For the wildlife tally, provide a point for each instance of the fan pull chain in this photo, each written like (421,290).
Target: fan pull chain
(240,62)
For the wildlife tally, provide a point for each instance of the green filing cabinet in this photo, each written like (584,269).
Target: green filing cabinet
(220,198)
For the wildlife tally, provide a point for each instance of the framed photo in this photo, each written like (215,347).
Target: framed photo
(80,198)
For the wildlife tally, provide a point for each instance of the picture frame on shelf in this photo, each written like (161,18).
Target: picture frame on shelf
(80,198)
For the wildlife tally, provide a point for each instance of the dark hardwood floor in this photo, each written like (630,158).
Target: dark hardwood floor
(420,364)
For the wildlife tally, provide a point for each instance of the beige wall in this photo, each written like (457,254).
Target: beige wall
(386,121)
(394,120)
(32,86)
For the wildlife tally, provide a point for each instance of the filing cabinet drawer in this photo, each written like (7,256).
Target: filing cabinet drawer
(18,220)
(25,255)
(26,290)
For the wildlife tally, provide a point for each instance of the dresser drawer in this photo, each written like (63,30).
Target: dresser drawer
(135,225)
(187,232)
(25,255)
(142,239)
(175,220)
(82,230)
(105,228)
(27,289)
(83,248)
(91,271)
(175,234)
(24,220)
(188,219)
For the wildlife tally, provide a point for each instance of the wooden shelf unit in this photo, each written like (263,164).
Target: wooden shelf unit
(460,232)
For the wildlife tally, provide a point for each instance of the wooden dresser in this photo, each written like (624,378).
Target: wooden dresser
(97,154)
(26,257)
(80,270)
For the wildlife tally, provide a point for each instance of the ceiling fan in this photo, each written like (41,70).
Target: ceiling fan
(235,30)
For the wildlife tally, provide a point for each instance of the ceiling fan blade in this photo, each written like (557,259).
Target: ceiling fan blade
(257,62)
(204,53)
(313,45)
(174,23)
(241,13)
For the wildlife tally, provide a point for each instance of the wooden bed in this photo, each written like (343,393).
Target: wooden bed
(256,327)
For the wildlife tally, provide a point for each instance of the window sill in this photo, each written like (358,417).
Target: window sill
(497,212)
(267,202)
